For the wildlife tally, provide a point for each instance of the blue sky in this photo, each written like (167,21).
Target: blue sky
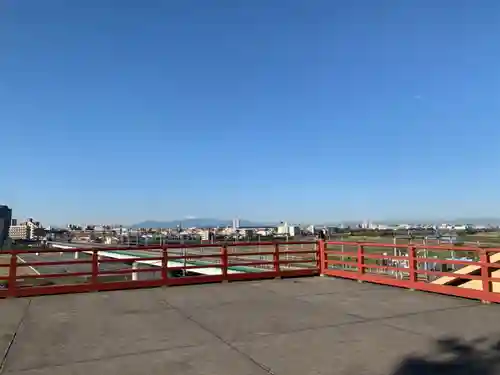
(121,111)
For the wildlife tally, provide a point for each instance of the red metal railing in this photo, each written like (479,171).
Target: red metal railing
(51,271)
(432,268)
(420,267)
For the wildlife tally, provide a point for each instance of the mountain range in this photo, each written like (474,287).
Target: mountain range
(196,222)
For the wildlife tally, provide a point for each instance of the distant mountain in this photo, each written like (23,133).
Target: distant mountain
(197,222)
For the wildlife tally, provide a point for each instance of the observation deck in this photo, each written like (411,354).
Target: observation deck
(267,324)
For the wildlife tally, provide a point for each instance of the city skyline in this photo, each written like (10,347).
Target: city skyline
(212,221)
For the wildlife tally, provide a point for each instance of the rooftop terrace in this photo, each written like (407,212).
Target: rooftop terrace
(306,326)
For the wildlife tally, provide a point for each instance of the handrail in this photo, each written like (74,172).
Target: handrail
(477,277)
(415,266)
(276,260)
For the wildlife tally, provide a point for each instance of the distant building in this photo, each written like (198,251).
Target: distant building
(236,224)
(5,219)
(19,232)
(24,230)
(284,229)
(449,239)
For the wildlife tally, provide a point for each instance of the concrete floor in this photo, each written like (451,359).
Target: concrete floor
(305,326)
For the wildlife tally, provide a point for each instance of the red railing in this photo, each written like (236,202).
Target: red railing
(51,271)
(421,267)
(429,268)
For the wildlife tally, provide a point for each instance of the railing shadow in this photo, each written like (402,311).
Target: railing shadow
(454,356)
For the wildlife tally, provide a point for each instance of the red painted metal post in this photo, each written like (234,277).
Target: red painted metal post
(361,259)
(412,264)
(224,262)
(322,256)
(276,259)
(13,275)
(95,270)
(485,274)
(164,266)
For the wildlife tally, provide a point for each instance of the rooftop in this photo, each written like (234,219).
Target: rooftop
(303,326)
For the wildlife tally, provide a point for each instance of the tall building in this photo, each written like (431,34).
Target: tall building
(5,218)
(236,223)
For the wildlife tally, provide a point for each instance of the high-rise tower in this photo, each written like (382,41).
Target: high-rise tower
(5,219)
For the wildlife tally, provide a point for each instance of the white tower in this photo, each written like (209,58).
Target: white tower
(236,224)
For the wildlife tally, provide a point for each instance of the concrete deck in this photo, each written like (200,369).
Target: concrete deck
(305,326)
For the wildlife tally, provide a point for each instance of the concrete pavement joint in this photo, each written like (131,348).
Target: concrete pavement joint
(409,330)
(232,347)
(360,321)
(3,362)
(108,357)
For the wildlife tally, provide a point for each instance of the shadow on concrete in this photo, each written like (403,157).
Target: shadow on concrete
(456,357)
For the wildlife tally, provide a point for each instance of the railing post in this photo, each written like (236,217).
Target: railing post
(276,260)
(361,260)
(164,266)
(485,275)
(321,256)
(95,270)
(412,264)
(12,291)
(135,274)
(224,262)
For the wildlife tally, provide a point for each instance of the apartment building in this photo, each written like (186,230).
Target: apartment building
(24,230)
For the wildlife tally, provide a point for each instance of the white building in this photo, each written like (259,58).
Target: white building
(24,230)
(204,234)
(288,230)
(236,224)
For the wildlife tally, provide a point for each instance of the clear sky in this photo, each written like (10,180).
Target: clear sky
(121,110)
